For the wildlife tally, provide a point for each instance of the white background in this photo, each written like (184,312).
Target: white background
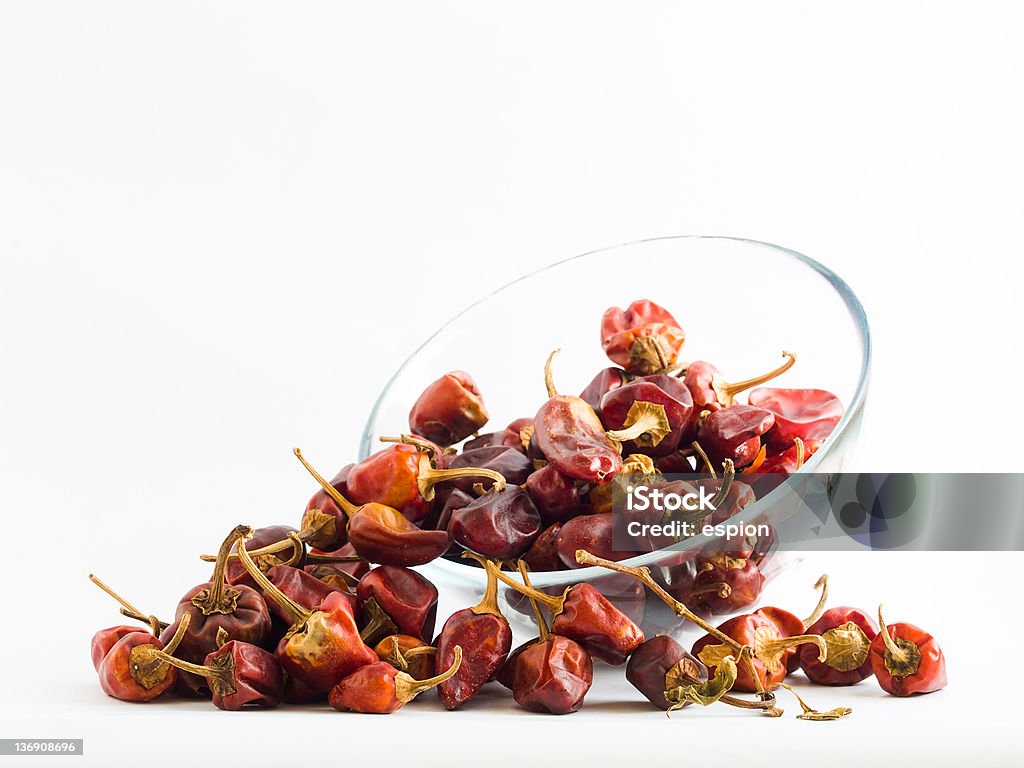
(224,225)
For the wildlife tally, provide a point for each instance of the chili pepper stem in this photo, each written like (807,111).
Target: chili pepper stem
(813,714)
(727,391)
(412,440)
(299,614)
(704,457)
(728,473)
(552,603)
(800,455)
(819,609)
(408,687)
(128,609)
(346,506)
(220,597)
(643,418)
(902,657)
(172,645)
(720,588)
(542,625)
(769,650)
(549,377)
(106,588)
(315,559)
(295,540)
(145,619)
(428,477)
(489,602)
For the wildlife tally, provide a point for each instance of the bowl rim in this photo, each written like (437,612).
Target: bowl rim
(853,410)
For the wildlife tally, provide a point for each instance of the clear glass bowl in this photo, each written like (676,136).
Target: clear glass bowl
(740,301)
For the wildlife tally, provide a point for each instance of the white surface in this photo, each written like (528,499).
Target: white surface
(222,226)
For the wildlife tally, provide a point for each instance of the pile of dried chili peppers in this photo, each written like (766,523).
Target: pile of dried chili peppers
(332,612)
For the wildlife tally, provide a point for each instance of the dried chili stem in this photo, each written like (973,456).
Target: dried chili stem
(408,687)
(346,506)
(542,625)
(732,389)
(299,614)
(819,609)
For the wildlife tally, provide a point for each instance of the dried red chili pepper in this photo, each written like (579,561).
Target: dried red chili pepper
(380,689)
(661,664)
(321,646)
(712,392)
(485,637)
(583,614)
(789,625)
(127,671)
(239,610)
(725,584)
(449,410)
(607,380)
(237,673)
(644,338)
(771,650)
(275,536)
(516,435)
(553,675)
(301,587)
(590,532)
(501,524)
(543,553)
(808,414)
(403,476)
(735,433)
(648,415)
(848,633)
(505,460)
(381,533)
(105,639)
(407,654)
(572,438)
(409,599)
(557,496)
(906,659)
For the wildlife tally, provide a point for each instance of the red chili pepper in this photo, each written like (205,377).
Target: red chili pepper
(403,476)
(237,674)
(301,587)
(380,689)
(848,634)
(648,415)
(127,671)
(381,533)
(572,438)
(239,610)
(643,339)
(725,584)
(583,614)
(558,497)
(409,599)
(553,675)
(321,646)
(771,650)
(277,537)
(590,532)
(485,638)
(735,433)
(607,380)
(906,659)
(808,414)
(449,410)
(789,625)
(501,524)
(543,553)
(710,390)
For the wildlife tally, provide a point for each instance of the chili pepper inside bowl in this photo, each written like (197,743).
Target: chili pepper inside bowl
(739,301)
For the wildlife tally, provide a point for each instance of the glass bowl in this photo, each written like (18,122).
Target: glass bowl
(741,302)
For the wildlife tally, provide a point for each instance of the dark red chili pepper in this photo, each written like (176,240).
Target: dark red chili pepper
(607,380)
(808,414)
(485,638)
(572,438)
(505,460)
(409,600)
(381,533)
(501,524)
(323,645)
(517,435)
(449,410)
(105,639)
(661,664)
(543,553)
(590,532)
(643,339)
(771,650)
(380,689)
(553,675)
(789,625)
(453,499)
(725,584)
(583,614)
(407,654)
(558,497)
(237,673)
(906,659)
(848,633)
(214,605)
(735,433)
(507,672)
(648,415)
(127,671)
(301,587)
(712,392)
